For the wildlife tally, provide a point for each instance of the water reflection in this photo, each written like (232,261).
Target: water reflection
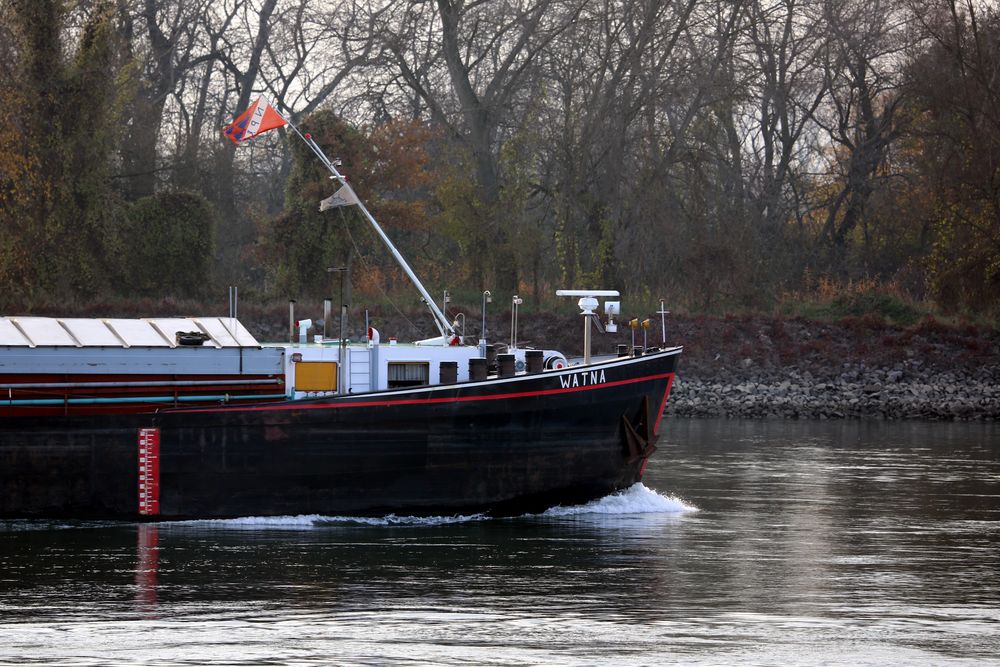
(340,563)
(147,568)
(870,543)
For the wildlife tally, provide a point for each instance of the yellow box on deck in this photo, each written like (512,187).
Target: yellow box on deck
(316,376)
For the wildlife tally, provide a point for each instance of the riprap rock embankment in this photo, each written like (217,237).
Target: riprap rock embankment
(855,393)
(758,367)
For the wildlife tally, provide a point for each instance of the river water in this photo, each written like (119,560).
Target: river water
(774,543)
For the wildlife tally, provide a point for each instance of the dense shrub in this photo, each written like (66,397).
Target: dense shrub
(168,246)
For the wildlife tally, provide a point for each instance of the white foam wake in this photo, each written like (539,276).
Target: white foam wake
(393,520)
(305,521)
(637,499)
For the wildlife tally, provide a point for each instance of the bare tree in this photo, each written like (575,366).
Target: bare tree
(866,40)
(787,86)
(473,69)
(954,147)
(163,40)
(316,48)
(241,54)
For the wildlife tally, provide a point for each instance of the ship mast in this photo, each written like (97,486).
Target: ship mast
(442,323)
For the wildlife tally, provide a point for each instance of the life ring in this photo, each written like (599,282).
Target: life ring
(556,362)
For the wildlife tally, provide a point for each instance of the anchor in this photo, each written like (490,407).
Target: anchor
(639,438)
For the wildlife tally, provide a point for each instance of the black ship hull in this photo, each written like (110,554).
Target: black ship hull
(502,446)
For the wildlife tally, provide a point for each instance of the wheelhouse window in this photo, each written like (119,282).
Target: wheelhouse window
(408,373)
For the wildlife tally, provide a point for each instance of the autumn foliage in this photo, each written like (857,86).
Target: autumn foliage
(728,156)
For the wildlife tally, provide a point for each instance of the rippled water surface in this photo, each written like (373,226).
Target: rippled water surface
(774,543)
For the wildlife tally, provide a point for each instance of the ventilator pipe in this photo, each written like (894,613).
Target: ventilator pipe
(303,329)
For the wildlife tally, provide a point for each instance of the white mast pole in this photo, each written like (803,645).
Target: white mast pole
(663,321)
(442,323)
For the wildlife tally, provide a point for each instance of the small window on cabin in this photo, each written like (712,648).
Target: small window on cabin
(408,374)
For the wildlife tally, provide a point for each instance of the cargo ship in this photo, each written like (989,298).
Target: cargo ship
(192,417)
(154,429)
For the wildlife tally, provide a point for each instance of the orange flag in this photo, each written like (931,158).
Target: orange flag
(260,117)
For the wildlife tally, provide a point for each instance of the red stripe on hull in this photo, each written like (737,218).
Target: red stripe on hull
(430,401)
(663,405)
